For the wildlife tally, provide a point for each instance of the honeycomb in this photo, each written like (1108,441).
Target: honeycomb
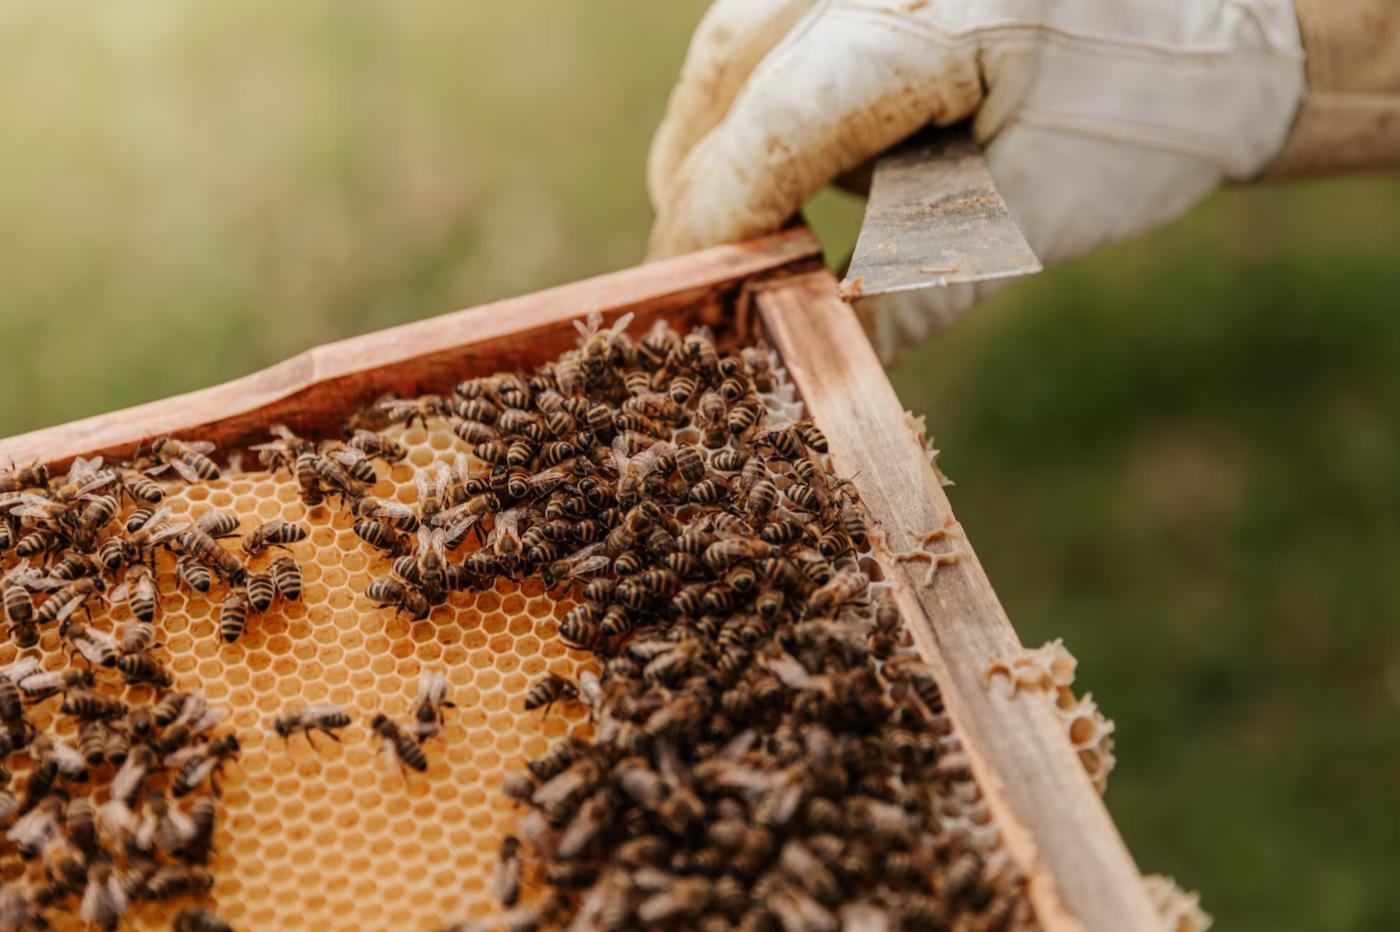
(339,837)
(1180,911)
(1050,668)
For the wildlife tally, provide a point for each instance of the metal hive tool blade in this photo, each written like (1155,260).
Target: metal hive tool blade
(935,218)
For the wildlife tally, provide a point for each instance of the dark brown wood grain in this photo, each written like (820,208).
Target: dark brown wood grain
(1080,873)
(314,391)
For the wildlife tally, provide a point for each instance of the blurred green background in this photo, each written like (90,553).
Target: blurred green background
(1182,455)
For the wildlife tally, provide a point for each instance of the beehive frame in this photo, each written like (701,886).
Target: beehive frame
(1080,874)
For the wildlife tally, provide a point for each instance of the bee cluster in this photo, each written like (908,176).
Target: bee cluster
(768,753)
(107,805)
(111,808)
(765,750)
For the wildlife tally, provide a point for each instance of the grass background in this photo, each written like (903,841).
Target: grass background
(1181,454)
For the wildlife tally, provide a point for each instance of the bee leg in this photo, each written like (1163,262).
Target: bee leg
(310,741)
(333,736)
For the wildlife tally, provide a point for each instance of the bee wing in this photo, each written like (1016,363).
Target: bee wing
(425,730)
(462,466)
(590,566)
(507,522)
(99,480)
(390,509)
(321,711)
(558,788)
(590,690)
(119,593)
(347,456)
(172,761)
(281,431)
(738,746)
(424,484)
(70,762)
(21,669)
(186,471)
(165,533)
(211,717)
(199,446)
(157,469)
(194,706)
(648,457)
(793,674)
(619,452)
(69,607)
(456,530)
(129,776)
(432,687)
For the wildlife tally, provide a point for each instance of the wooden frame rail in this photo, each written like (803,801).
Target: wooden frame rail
(1052,821)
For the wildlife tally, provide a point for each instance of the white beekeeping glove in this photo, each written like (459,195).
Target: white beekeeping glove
(1102,117)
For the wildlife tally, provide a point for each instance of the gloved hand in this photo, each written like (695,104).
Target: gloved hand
(1102,119)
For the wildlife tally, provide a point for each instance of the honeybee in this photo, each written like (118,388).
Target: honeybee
(194,574)
(394,513)
(38,542)
(261,590)
(428,706)
(104,901)
(506,881)
(139,591)
(373,444)
(505,537)
(811,435)
(199,919)
(272,534)
(475,432)
(381,536)
(710,491)
(171,706)
(15,587)
(196,765)
(171,880)
(356,464)
(63,602)
(96,515)
(914,674)
(233,614)
(188,458)
(549,690)
(403,596)
(326,718)
(84,477)
(143,668)
(89,705)
(286,576)
(335,478)
(97,647)
(199,546)
(217,524)
(746,415)
(761,499)
(34,476)
(580,625)
(405,747)
(632,470)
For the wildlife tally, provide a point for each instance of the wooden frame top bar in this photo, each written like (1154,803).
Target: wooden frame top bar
(312,392)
